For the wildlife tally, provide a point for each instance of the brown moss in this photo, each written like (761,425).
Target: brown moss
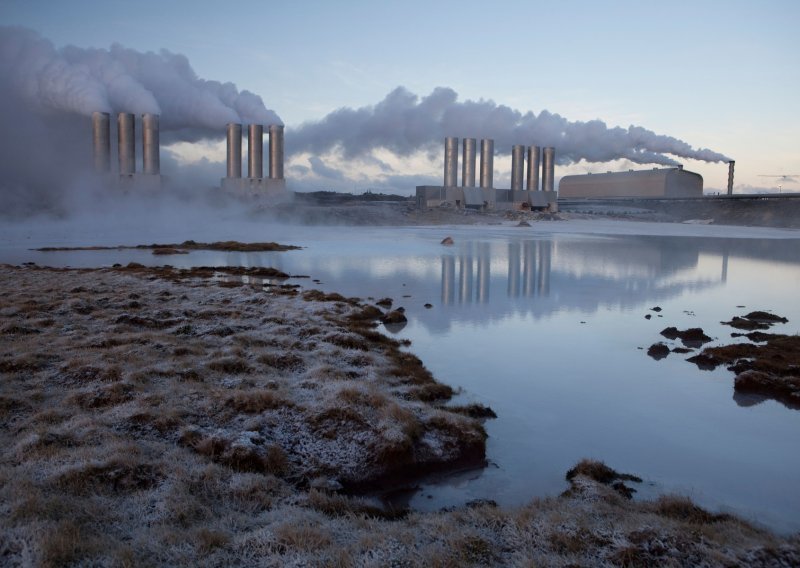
(116,475)
(474,410)
(682,509)
(431,392)
(163,251)
(258,400)
(282,361)
(207,540)
(102,397)
(319,296)
(230,365)
(336,505)
(346,341)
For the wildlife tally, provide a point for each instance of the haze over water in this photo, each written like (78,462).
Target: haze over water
(546,325)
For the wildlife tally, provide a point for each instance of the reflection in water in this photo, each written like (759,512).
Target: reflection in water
(465,279)
(448,278)
(484,272)
(545,249)
(513,269)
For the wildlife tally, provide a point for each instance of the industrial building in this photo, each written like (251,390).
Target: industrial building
(655,183)
(254,185)
(150,176)
(487,196)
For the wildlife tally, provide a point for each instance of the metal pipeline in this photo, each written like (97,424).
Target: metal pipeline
(234,132)
(468,163)
(533,168)
(126,128)
(450,161)
(487,163)
(151,163)
(255,151)
(101,141)
(517,166)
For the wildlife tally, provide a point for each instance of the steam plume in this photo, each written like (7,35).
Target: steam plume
(118,79)
(403,122)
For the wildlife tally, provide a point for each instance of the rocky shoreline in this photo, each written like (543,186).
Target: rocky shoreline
(153,416)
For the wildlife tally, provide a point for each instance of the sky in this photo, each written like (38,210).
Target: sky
(718,75)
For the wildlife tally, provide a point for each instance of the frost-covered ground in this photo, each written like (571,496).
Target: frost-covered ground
(158,417)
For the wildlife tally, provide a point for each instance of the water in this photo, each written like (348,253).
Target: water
(546,325)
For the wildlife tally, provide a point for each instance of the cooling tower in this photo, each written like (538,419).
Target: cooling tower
(101,141)
(548,168)
(276,151)
(450,161)
(487,163)
(151,163)
(533,168)
(255,151)
(234,132)
(468,163)
(126,127)
(730,177)
(517,166)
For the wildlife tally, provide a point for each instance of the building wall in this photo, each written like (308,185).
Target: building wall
(668,182)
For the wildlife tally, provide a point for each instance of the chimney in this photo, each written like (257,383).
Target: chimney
(548,169)
(126,128)
(533,168)
(517,166)
(151,163)
(468,163)
(730,177)
(234,135)
(255,148)
(101,141)
(450,161)
(487,163)
(275,151)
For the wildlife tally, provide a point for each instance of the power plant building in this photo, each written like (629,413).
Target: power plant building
(655,183)
(466,195)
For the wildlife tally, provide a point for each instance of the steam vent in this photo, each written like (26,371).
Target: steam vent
(466,195)
(255,184)
(125,175)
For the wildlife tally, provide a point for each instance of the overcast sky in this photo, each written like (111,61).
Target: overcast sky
(717,75)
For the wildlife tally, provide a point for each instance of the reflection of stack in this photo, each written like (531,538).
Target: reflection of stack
(526,261)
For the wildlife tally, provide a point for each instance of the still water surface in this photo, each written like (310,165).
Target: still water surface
(547,327)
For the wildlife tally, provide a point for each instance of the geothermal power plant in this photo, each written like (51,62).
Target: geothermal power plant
(487,196)
(149,178)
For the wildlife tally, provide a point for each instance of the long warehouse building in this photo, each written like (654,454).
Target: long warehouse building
(666,182)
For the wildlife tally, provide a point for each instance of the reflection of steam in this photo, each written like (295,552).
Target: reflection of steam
(725,254)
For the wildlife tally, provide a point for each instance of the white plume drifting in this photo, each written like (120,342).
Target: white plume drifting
(403,122)
(118,79)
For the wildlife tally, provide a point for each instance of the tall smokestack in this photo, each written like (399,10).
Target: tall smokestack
(487,163)
(517,166)
(730,176)
(255,149)
(151,162)
(234,132)
(548,168)
(468,163)
(450,161)
(126,127)
(533,168)
(275,151)
(101,141)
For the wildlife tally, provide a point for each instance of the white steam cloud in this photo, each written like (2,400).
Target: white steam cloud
(404,122)
(118,79)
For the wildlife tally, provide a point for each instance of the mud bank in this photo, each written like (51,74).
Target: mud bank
(163,417)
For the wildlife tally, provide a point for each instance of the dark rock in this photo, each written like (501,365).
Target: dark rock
(648,316)
(658,351)
(656,308)
(428,306)
(447,241)
(395,316)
